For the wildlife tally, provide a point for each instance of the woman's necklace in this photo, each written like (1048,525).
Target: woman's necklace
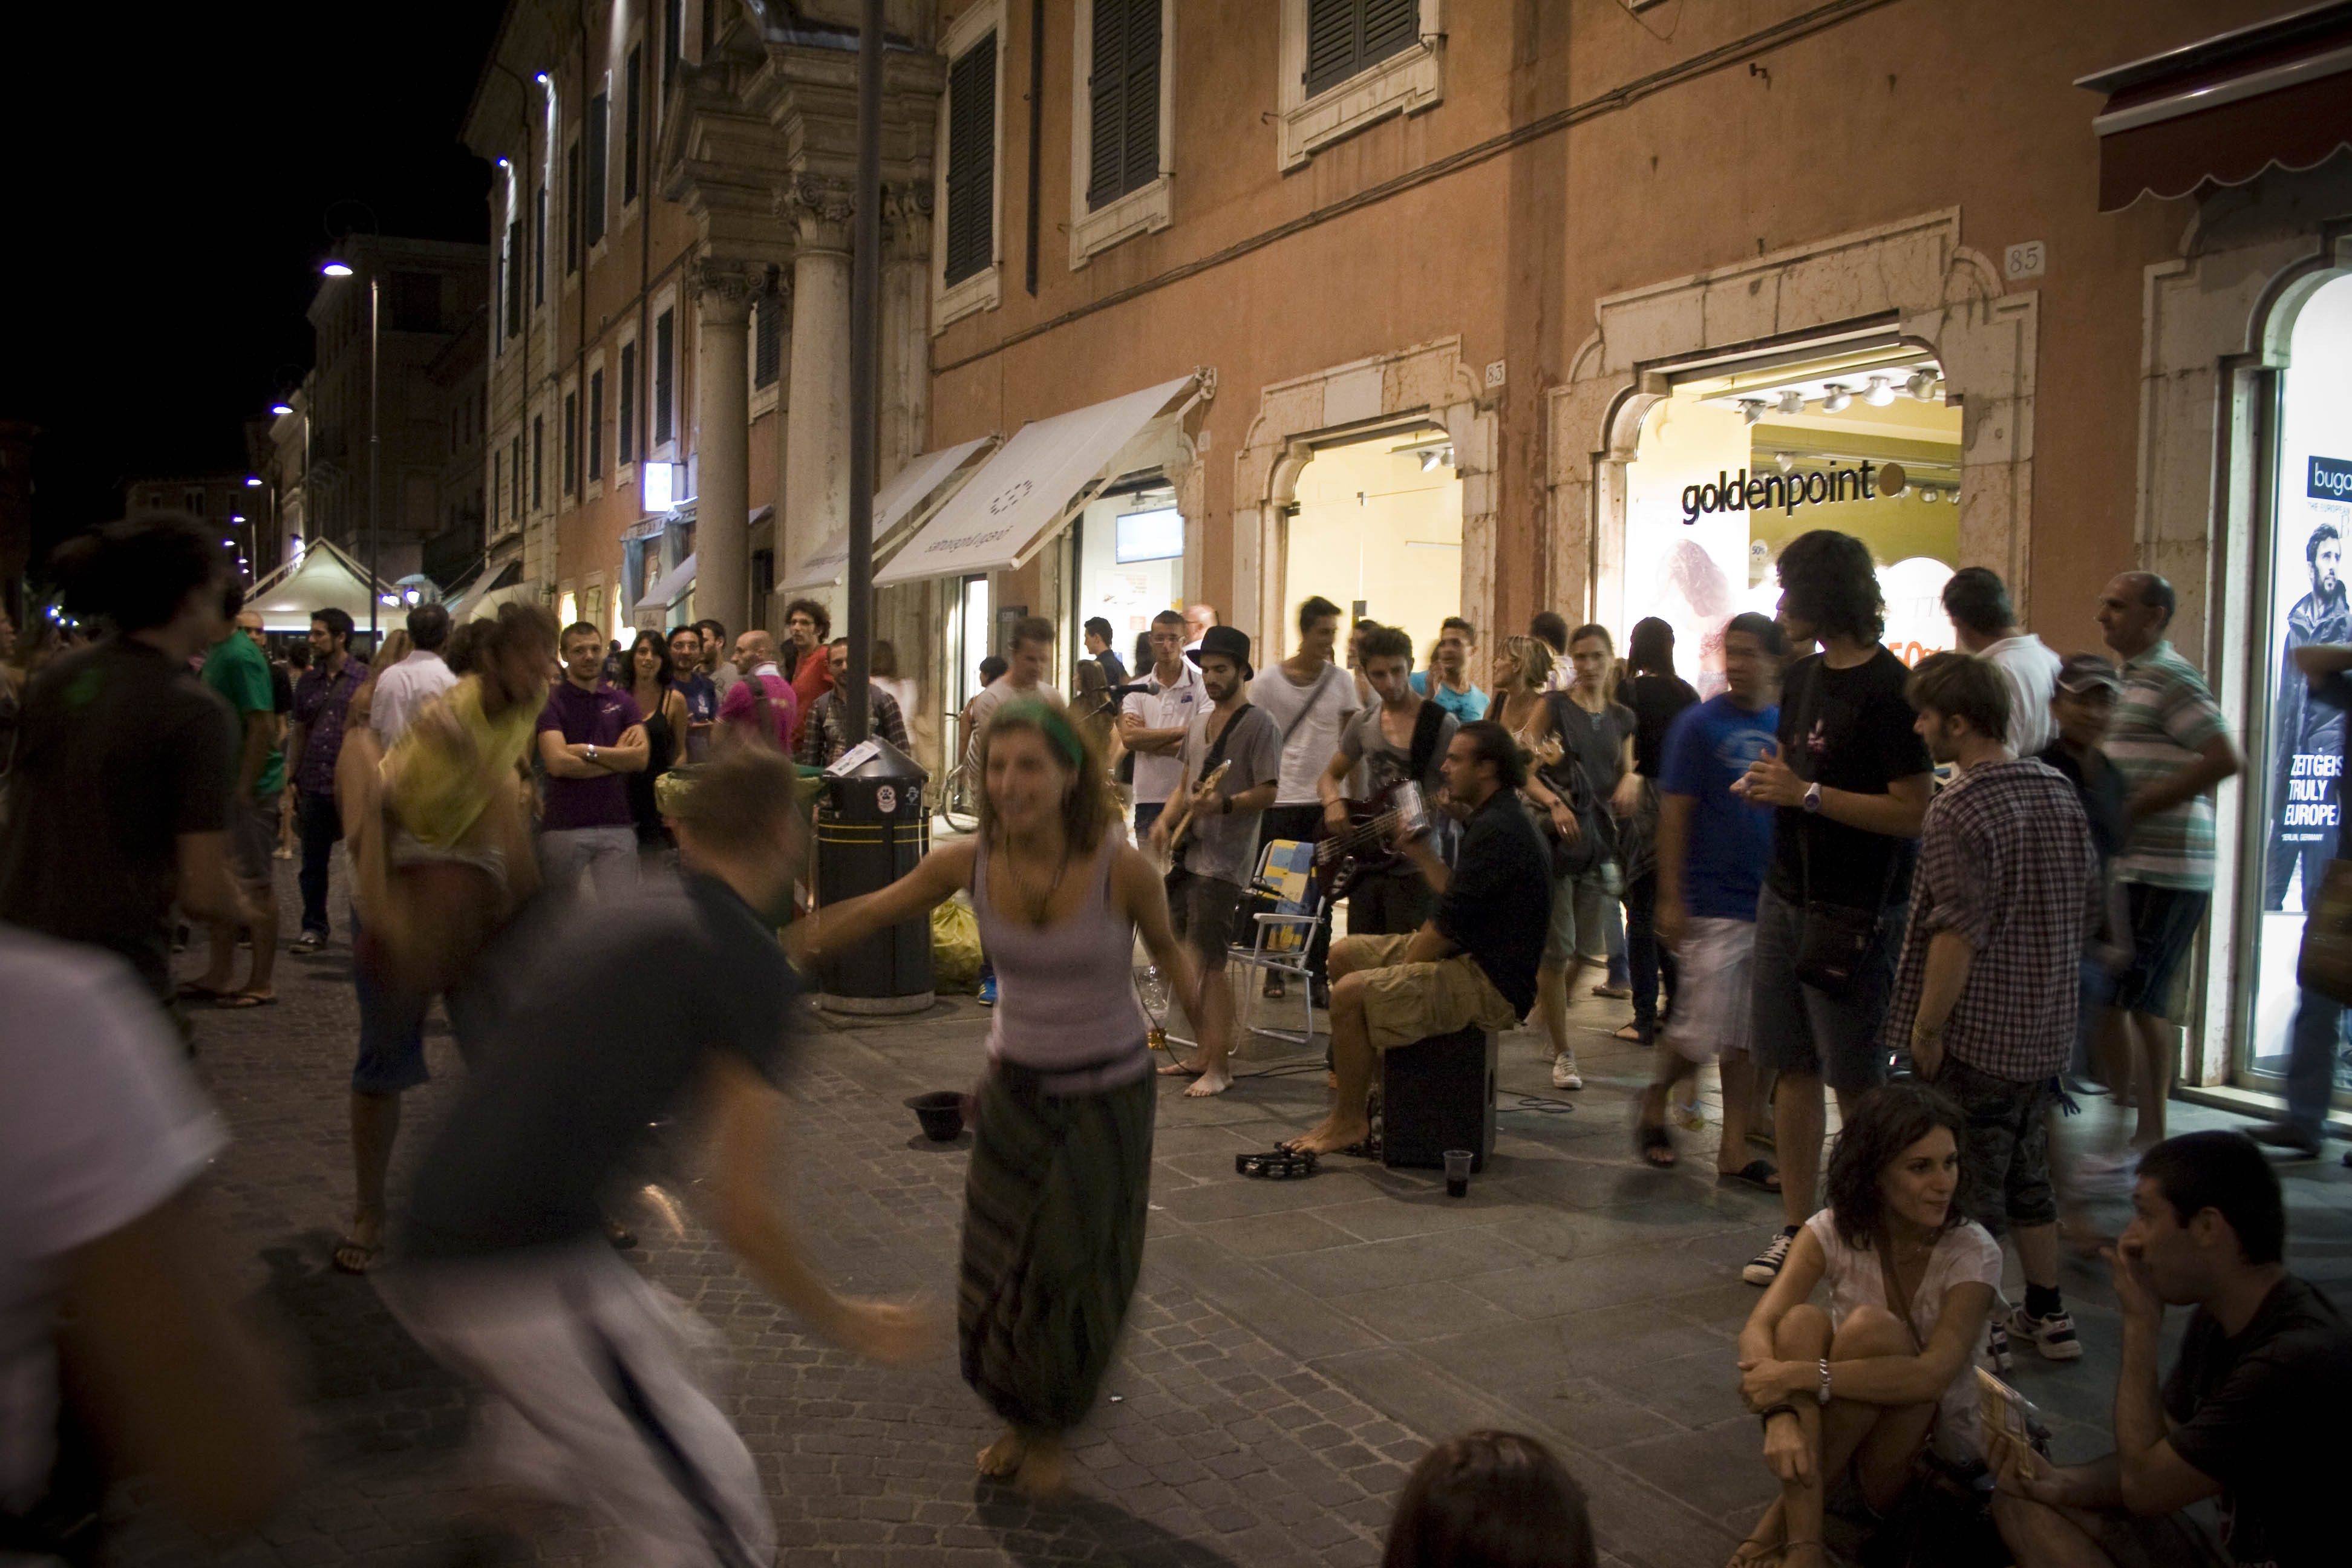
(1043,906)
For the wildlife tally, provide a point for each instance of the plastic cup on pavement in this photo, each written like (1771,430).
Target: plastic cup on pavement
(1457,1173)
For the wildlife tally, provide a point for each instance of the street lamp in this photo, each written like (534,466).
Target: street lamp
(341,269)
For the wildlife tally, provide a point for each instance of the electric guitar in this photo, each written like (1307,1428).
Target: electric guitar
(1184,818)
(1365,845)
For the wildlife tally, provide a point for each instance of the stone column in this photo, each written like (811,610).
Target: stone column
(816,484)
(722,291)
(904,396)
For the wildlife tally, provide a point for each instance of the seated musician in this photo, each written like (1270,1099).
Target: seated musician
(1401,740)
(1471,963)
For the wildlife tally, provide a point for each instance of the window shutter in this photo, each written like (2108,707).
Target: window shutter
(631,113)
(571,209)
(767,338)
(972,162)
(1331,42)
(595,425)
(1141,161)
(539,246)
(570,442)
(599,116)
(514,280)
(624,426)
(1106,104)
(1391,27)
(663,328)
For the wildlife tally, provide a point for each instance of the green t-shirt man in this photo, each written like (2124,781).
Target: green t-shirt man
(237,669)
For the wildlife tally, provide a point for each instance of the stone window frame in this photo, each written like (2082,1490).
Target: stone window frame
(1146,208)
(624,473)
(984,290)
(1411,81)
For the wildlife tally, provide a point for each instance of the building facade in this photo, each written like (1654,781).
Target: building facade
(1444,306)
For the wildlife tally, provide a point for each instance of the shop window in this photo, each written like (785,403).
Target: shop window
(1736,463)
(1377,524)
(2294,787)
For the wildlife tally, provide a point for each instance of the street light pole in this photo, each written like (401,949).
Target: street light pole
(374,425)
(865,364)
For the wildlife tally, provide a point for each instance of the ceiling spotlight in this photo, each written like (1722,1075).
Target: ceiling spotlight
(1782,461)
(1834,397)
(1922,383)
(1792,401)
(335,269)
(1429,456)
(1880,393)
(280,408)
(1751,410)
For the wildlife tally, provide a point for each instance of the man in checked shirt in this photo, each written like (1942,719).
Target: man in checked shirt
(1985,996)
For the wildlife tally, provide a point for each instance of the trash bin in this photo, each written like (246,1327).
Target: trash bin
(871,829)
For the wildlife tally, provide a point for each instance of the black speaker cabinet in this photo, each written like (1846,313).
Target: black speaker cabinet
(1439,1094)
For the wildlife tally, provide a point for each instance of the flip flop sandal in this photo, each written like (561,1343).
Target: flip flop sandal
(234,1000)
(1277,1164)
(192,991)
(1631,1032)
(1761,1175)
(361,1257)
(1648,1140)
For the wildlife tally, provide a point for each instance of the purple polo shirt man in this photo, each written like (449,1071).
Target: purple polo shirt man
(590,735)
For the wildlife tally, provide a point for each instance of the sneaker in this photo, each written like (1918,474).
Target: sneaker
(2054,1336)
(1997,1349)
(2287,1135)
(1563,1071)
(1765,1266)
(309,942)
(987,991)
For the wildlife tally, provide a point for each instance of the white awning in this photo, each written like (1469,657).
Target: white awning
(490,590)
(325,576)
(1022,494)
(671,588)
(826,564)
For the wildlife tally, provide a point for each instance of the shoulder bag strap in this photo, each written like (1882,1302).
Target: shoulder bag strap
(1425,726)
(1313,695)
(1217,749)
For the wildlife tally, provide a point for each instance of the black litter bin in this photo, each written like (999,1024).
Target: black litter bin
(871,829)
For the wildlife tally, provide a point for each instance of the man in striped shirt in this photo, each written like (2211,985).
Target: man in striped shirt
(2172,747)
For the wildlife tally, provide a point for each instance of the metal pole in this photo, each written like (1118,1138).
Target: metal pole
(865,364)
(374,433)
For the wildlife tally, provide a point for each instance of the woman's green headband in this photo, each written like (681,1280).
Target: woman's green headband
(1047,718)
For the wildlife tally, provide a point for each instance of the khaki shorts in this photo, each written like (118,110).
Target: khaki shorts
(253,838)
(1714,995)
(1408,1002)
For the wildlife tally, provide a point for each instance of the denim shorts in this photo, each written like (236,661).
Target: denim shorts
(2164,925)
(1579,904)
(1808,1033)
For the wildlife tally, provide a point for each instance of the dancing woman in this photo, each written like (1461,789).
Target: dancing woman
(1055,1196)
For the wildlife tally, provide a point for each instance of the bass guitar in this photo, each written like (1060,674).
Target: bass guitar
(1367,845)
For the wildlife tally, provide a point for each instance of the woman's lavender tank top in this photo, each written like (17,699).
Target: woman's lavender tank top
(1066,1002)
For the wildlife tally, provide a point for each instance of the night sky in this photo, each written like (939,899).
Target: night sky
(176,178)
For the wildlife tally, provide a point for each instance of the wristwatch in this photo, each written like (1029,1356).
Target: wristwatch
(1813,796)
(592,751)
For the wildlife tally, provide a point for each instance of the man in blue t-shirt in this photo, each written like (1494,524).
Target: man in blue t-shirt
(1713,848)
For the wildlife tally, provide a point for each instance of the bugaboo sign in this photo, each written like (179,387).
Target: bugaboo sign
(1738,492)
(2331,479)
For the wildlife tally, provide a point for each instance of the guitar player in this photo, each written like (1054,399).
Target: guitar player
(1213,826)
(1401,740)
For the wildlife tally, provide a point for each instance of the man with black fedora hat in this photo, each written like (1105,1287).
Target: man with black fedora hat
(1214,862)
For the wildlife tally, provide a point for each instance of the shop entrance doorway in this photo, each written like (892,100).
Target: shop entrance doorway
(1739,459)
(1376,528)
(2295,758)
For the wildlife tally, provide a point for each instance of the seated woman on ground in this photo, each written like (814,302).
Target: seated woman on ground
(1886,1371)
(1490,1499)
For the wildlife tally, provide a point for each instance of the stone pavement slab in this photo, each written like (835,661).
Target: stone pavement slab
(1294,1347)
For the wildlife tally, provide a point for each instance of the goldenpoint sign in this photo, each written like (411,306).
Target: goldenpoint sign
(1738,492)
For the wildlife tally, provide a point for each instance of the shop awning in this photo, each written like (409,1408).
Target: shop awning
(325,576)
(488,591)
(1023,494)
(671,587)
(2223,110)
(826,563)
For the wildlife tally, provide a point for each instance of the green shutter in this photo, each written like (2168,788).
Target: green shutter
(1345,37)
(1141,162)
(1390,26)
(971,163)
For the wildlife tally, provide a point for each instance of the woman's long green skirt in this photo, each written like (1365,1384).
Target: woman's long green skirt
(1053,1239)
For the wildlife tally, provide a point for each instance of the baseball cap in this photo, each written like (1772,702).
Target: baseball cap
(2080,674)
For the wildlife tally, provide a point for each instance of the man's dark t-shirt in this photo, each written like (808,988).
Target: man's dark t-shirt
(1656,700)
(2102,796)
(1498,903)
(598,717)
(122,751)
(281,690)
(1847,730)
(2261,1413)
(1114,672)
(602,1035)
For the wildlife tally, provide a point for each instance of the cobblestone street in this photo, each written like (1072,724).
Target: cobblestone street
(1294,1346)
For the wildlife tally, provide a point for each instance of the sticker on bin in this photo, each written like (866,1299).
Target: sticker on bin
(886,800)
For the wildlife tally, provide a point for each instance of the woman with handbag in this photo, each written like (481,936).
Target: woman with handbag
(1883,1383)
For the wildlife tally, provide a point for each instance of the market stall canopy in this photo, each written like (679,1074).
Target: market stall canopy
(825,563)
(1024,493)
(325,576)
(2225,108)
(488,591)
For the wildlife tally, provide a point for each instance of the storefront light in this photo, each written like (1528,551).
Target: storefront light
(1792,401)
(1751,410)
(1881,392)
(1922,384)
(1835,398)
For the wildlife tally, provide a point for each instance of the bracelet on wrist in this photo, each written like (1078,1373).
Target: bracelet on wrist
(1764,1416)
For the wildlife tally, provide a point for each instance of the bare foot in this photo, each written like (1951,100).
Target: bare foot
(1003,1456)
(356,1252)
(1329,1135)
(1210,1083)
(1763,1543)
(1182,1069)
(1044,1475)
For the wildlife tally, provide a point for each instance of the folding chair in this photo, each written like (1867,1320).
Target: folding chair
(1282,934)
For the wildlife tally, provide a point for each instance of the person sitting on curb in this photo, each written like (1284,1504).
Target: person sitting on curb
(1886,1369)
(2265,1353)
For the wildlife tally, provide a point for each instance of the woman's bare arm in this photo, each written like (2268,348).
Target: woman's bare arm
(933,881)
